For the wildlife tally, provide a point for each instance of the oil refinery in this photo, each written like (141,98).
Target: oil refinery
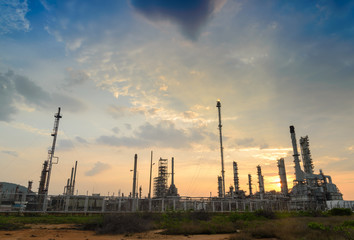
(310,191)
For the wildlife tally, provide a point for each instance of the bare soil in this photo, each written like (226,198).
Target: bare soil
(67,231)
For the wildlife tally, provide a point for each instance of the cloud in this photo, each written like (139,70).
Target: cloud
(81,140)
(164,134)
(7,90)
(13,16)
(97,168)
(75,78)
(190,15)
(119,111)
(65,145)
(11,153)
(16,88)
(248,142)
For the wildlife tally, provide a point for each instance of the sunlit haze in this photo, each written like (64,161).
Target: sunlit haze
(135,76)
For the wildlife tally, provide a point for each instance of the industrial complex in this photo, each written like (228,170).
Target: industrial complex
(310,191)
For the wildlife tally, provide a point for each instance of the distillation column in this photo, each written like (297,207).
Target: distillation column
(282,175)
(219,186)
(299,174)
(236,183)
(306,155)
(250,184)
(260,182)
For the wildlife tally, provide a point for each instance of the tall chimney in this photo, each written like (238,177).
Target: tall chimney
(173,172)
(73,187)
(70,192)
(134,177)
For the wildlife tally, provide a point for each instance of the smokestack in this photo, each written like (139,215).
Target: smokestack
(250,183)
(173,172)
(299,174)
(218,105)
(237,188)
(71,182)
(134,177)
(282,175)
(73,187)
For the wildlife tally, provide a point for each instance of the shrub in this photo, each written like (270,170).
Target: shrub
(348,223)
(125,223)
(266,214)
(340,212)
(199,215)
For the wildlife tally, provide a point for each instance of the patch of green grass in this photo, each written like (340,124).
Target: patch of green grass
(49,219)
(306,228)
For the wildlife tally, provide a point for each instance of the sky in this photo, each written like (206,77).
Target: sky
(135,76)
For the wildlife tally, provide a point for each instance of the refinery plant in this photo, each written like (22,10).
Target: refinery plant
(310,191)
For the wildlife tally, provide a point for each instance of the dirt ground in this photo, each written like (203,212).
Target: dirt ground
(65,231)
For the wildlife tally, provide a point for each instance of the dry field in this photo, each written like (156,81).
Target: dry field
(67,231)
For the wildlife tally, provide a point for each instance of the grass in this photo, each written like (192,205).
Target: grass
(334,224)
(325,227)
(14,222)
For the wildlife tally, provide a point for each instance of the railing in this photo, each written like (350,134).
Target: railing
(10,202)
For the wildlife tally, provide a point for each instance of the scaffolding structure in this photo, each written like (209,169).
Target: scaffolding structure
(160,182)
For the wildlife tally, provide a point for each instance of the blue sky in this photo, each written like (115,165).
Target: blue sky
(135,76)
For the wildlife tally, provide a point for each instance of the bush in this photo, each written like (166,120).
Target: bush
(125,223)
(340,212)
(266,214)
(199,215)
(349,223)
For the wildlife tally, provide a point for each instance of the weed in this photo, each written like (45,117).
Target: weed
(316,226)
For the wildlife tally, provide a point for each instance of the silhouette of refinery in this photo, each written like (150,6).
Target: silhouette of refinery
(309,191)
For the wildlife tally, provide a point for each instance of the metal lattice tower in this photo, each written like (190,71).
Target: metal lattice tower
(160,182)
(306,155)
(47,165)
